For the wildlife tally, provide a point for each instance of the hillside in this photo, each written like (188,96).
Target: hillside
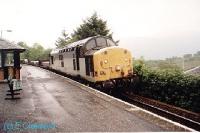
(193,71)
(187,62)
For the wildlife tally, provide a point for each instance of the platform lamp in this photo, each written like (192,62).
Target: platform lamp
(6,31)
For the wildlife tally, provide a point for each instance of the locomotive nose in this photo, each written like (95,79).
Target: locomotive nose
(113,63)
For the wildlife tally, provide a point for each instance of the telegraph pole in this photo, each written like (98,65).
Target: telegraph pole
(6,31)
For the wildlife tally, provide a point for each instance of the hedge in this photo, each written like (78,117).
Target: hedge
(169,86)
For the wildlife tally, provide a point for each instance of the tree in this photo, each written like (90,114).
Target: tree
(63,40)
(26,54)
(187,56)
(92,26)
(197,54)
(45,54)
(36,51)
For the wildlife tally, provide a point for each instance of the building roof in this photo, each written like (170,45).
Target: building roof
(6,45)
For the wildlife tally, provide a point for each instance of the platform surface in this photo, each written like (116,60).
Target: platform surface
(48,98)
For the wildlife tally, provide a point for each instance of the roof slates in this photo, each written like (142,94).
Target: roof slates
(6,45)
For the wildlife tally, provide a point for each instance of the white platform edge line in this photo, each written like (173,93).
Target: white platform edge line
(163,118)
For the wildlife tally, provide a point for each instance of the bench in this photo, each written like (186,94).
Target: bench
(14,87)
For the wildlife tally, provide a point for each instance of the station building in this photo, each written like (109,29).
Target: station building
(9,60)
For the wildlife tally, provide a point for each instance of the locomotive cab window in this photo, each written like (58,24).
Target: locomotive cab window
(110,43)
(101,42)
(91,44)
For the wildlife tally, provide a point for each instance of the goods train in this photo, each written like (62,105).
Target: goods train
(96,59)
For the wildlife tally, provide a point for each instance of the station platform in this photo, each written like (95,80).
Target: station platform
(68,106)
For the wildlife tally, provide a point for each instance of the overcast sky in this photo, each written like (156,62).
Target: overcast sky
(154,29)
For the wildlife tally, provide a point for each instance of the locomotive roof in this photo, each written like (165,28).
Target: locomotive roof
(80,42)
(6,45)
(77,43)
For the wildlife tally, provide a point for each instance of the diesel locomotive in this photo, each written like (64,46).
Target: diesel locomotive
(95,59)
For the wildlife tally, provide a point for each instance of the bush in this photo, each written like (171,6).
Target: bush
(170,86)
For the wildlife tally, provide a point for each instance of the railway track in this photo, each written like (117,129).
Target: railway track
(184,117)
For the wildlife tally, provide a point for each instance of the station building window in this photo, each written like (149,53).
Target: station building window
(9,60)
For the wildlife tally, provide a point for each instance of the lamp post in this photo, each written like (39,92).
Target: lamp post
(6,31)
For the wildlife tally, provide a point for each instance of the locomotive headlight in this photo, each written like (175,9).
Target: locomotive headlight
(102,73)
(105,61)
(117,68)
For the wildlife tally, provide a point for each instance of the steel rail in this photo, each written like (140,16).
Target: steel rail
(162,112)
